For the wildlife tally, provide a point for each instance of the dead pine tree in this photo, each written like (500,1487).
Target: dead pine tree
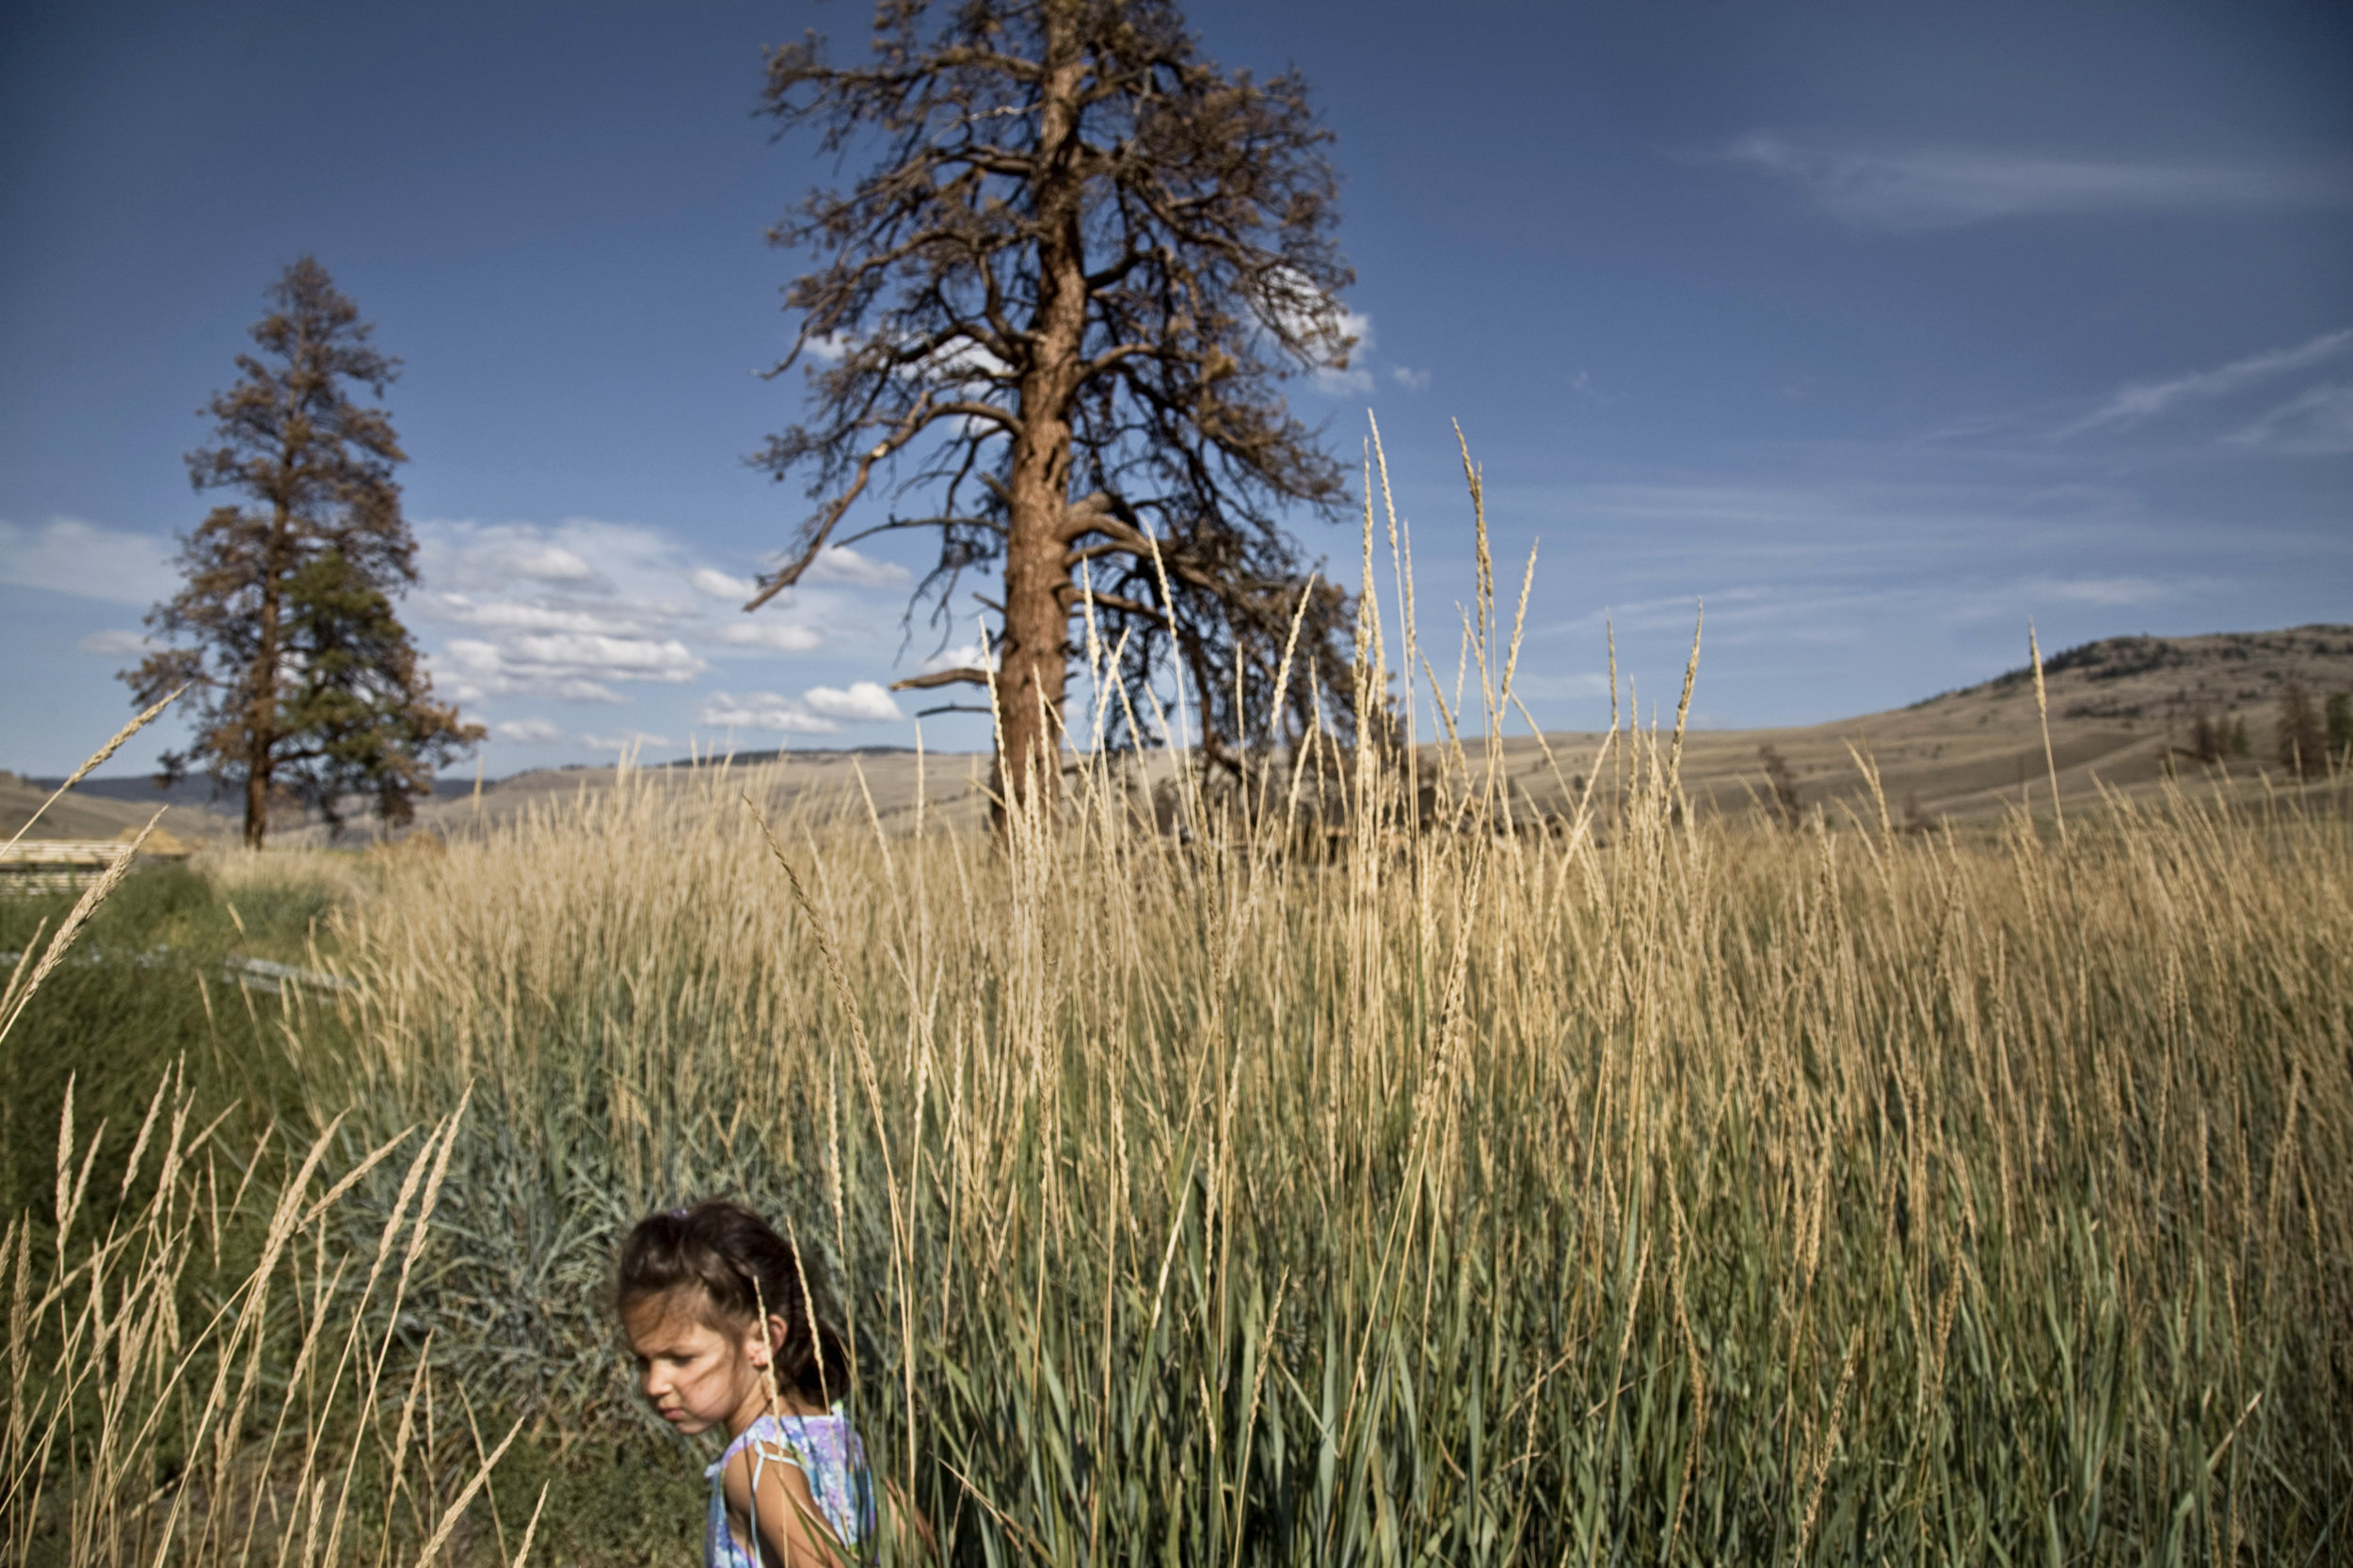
(307,684)
(1056,312)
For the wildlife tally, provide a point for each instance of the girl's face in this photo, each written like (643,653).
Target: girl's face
(697,1377)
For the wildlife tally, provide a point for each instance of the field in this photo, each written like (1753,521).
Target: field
(1632,1185)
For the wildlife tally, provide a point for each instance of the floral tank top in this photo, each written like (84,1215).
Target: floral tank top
(825,1449)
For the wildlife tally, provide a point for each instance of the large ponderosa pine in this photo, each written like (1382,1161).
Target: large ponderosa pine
(1058,307)
(308,684)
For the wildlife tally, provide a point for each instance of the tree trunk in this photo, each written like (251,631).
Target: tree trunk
(1033,669)
(261,724)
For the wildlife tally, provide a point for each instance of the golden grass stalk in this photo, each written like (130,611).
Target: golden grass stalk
(146,717)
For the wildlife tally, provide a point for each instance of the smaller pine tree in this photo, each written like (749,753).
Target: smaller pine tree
(307,685)
(1780,787)
(2208,736)
(2302,746)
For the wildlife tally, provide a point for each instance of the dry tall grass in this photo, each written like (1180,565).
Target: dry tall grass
(1634,1189)
(202,1365)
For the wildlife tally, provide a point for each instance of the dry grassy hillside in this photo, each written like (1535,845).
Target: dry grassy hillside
(82,815)
(2120,716)
(2121,712)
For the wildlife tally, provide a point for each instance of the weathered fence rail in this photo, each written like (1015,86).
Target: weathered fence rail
(66,865)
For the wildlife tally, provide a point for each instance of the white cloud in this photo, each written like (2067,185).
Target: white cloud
(67,555)
(115,642)
(1949,188)
(762,710)
(513,614)
(819,711)
(1333,382)
(568,664)
(2317,421)
(1353,379)
(551,563)
(842,564)
(561,653)
(965,363)
(625,741)
(574,609)
(1292,308)
(865,702)
(718,584)
(1582,384)
(771,632)
(527,731)
(837,566)
(581,555)
(968,656)
(2140,400)
(1412,380)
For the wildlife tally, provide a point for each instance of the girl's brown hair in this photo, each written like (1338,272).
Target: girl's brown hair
(739,1270)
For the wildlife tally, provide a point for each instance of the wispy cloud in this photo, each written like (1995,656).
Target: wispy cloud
(526,731)
(840,563)
(1333,381)
(819,711)
(568,611)
(837,566)
(2317,421)
(572,665)
(67,555)
(2137,400)
(763,710)
(718,584)
(1802,609)
(1583,385)
(1412,380)
(625,741)
(115,642)
(1950,187)
(576,609)
(2102,592)
(964,656)
(775,632)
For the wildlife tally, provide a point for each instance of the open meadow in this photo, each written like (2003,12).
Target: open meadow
(1633,1185)
(1331,1067)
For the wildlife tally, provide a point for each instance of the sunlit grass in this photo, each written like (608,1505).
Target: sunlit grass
(1630,1188)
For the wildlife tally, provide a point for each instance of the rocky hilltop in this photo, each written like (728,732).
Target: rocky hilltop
(2173,679)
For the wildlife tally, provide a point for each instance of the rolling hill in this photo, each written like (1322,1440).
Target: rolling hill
(2124,713)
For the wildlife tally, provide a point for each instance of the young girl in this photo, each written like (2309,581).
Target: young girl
(713,1307)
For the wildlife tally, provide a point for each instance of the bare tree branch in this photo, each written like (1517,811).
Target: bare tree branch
(966,676)
(1063,300)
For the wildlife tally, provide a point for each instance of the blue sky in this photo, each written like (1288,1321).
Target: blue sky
(1881,327)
